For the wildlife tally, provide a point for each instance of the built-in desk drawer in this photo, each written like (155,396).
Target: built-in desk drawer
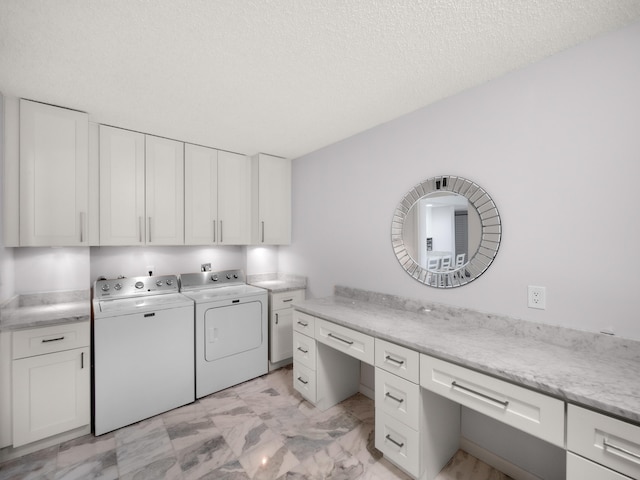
(304,381)
(398,442)
(537,414)
(304,350)
(56,338)
(304,323)
(398,397)
(605,440)
(399,360)
(579,468)
(356,344)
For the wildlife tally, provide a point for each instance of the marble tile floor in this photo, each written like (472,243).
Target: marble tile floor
(261,429)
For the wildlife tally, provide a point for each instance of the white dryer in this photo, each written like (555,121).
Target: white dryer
(231,337)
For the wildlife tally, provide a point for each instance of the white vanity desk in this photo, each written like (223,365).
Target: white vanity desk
(575,390)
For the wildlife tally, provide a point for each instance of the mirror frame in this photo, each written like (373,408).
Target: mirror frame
(490,237)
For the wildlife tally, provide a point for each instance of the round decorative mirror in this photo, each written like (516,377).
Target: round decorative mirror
(446,231)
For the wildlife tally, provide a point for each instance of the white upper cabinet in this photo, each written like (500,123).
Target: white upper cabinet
(122,214)
(271,209)
(164,191)
(200,195)
(54,175)
(234,199)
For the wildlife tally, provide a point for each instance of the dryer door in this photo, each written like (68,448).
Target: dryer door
(232,329)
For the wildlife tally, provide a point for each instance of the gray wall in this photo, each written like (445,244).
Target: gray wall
(557,146)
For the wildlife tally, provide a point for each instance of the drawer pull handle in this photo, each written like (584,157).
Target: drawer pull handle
(287,300)
(504,403)
(302,381)
(47,340)
(399,400)
(338,338)
(397,444)
(303,350)
(303,324)
(389,358)
(616,448)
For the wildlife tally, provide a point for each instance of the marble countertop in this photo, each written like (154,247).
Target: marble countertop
(278,282)
(41,310)
(582,368)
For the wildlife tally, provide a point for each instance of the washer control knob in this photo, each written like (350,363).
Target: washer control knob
(105,287)
(169,282)
(228,276)
(214,278)
(159,283)
(117,286)
(139,285)
(235,275)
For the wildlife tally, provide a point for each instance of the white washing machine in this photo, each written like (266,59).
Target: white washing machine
(143,350)
(231,329)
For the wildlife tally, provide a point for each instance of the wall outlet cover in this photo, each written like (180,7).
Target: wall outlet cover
(537,297)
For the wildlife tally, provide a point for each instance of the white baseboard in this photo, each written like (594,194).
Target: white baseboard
(277,365)
(367,391)
(495,461)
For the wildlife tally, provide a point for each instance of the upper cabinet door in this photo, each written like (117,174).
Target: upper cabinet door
(122,217)
(54,175)
(164,191)
(271,210)
(234,199)
(200,195)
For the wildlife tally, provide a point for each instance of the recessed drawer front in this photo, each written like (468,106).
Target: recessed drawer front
(398,397)
(57,338)
(304,323)
(356,344)
(540,415)
(398,442)
(401,361)
(579,468)
(604,440)
(304,350)
(285,299)
(304,381)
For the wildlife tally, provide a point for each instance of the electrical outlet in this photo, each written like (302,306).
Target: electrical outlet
(537,297)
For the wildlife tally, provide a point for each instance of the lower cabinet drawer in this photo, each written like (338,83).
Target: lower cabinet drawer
(285,299)
(579,468)
(304,323)
(304,350)
(605,440)
(56,338)
(402,361)
(358,345)
(398,442)
(304,381)
(397,397)
(537,414)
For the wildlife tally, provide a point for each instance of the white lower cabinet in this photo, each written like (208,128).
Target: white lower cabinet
(607,441)
(51,380)
(281,324)
(579,468)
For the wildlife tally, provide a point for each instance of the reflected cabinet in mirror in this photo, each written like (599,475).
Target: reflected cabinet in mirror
(446,231)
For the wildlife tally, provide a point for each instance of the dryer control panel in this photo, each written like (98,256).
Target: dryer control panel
(134,286)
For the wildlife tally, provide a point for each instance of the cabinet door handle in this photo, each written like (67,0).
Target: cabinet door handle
(276,318)
(262,232)
(302,381)
(338,338)
(303,350)
(214,231)
(149,236)
(399,400)
(303,324)
(221,231)
(82,360)
(389,358)
(398,444)
(140,229)
(503,403)
(81,227)
(616,449)
(47,340)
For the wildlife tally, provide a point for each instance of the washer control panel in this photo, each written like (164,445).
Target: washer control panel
(194,281)
(130,287)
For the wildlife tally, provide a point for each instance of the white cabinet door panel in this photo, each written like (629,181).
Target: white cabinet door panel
(234,199)
(200,195)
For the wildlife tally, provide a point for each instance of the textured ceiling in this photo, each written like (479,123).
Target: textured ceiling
(279,76)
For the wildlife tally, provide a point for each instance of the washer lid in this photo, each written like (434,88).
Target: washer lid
(223,293)
(149,302)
